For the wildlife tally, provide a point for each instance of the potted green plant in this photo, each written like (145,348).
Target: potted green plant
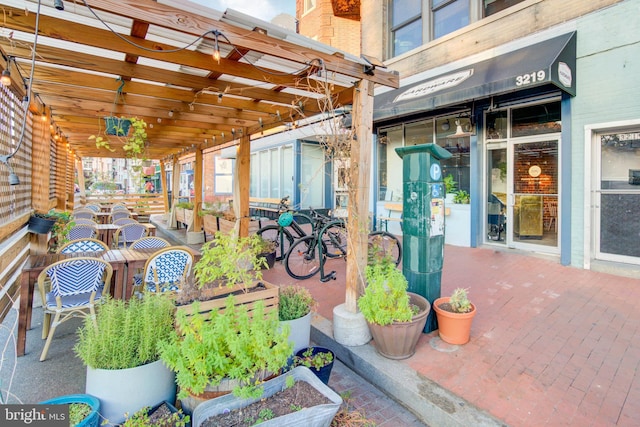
(455,315)
(450,187)
(224,351)
(83,409)
(462,197)
(120,351)
(229,264)
(164,414)
(294,309)
(267,251)
(395,316)
(318,359)
(133,143)
(295,398)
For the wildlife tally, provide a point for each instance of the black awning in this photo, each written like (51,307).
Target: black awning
(552,61)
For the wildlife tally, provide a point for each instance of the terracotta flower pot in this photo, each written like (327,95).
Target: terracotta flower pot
(398,340)
(454,328)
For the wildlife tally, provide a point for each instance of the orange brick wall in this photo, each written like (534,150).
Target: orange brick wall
(320,24)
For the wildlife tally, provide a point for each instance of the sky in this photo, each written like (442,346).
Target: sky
(262,9)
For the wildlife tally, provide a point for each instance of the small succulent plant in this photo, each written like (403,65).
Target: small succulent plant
(459,301)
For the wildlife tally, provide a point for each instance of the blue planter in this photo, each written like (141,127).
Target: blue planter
(324,372)
(92,420)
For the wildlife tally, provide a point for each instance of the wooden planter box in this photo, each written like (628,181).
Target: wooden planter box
(270,295)
(184,216)
(210,224)
(226,226)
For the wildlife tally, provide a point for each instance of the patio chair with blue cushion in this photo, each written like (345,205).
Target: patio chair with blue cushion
(166,270)
(119,214)
(82,231)
(123,221)
(119,206)
(84,213)
(150,242)
(126,234)
(83,245)
(93,207)
(71,288)
(84,221)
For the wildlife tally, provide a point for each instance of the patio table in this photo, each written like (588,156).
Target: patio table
(38,262)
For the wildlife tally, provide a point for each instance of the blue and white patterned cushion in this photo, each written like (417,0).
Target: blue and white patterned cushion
(82,246)
(167,271)
(81,231)
(149,242)
(129,233)
(74,281)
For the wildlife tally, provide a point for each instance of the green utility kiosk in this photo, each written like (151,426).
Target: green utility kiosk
(423,221)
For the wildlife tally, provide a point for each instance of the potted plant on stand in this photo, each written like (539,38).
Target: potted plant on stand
(229,265)
(224,351)
(395,317)
(294,309)
(121,353)
(455,315)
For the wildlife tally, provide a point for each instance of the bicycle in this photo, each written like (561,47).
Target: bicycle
(279,234)
(329,239)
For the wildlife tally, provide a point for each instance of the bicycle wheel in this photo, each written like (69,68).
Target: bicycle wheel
(382,244)
(272,232)
(303,259)
(334,241)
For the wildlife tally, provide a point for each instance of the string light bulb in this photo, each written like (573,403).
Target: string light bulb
(170,113)
(216,48)
(6,77)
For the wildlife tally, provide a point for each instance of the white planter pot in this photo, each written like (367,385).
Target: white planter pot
(457,225)
(300,331)
(122,391)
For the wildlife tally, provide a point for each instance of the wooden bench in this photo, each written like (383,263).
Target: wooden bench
(264,208)
(392,213)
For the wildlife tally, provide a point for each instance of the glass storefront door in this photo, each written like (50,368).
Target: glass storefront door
(617,197)
(534,197)
(522,194)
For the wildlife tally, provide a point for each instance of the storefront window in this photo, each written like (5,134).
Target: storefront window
(496,128)
(536,120)
(453,134)
(390,164)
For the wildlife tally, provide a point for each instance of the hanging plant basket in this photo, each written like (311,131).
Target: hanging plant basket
(117,126)
(41,224)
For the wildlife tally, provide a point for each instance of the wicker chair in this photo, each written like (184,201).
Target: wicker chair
(82,231)
(75,286)
(166,270)
(127,234)
(83,245)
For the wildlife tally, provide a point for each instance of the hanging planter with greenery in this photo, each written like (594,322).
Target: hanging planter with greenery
(118,126)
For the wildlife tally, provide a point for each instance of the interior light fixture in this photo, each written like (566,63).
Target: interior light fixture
(6,77)
(446,125)
(459,132)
